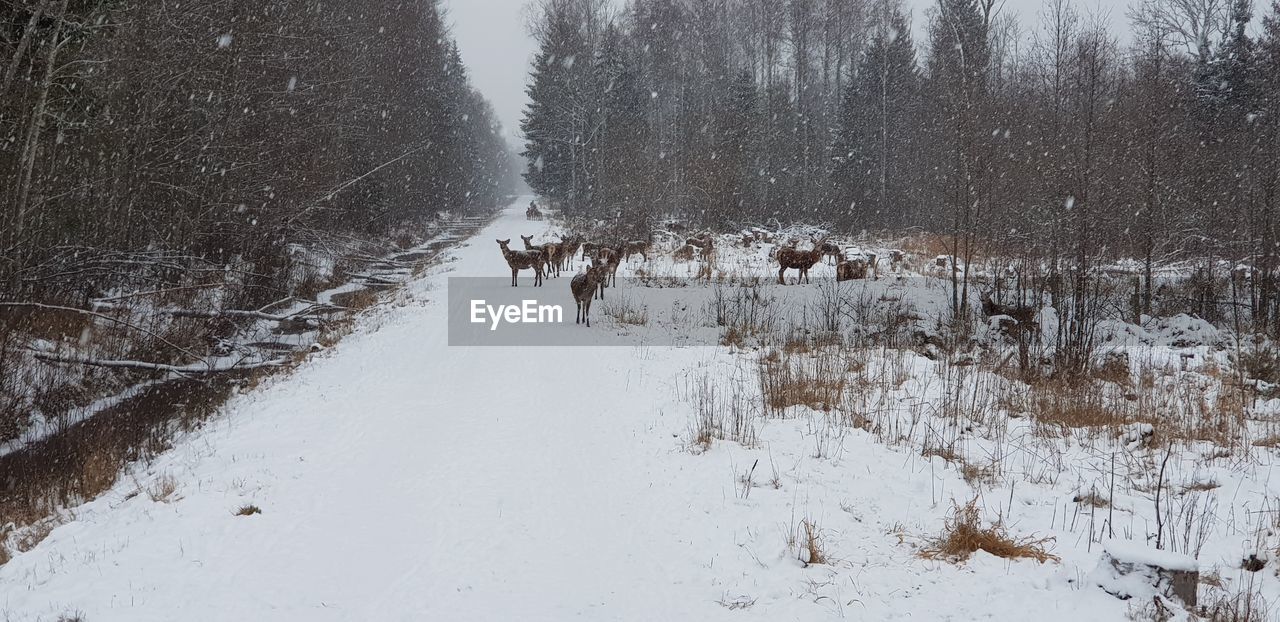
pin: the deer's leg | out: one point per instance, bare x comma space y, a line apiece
514, 272
587, 313
781, 280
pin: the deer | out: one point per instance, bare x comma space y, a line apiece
829, 249
584, 286
589, 248
609, 258
634, 247
850, 269
708, 255
897, 258
1024, 318
533, 213
793, 258
702, 240
568, 250
550, 253
522, 260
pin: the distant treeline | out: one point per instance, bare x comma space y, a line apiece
227, 131
1050, 138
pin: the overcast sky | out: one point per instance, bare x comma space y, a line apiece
497, 48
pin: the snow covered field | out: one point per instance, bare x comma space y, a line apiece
401, 479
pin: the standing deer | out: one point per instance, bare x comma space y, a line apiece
609, 258
550, 253
1024, 318
708, 255
584, 286
568, 250
829, 249
522, 260
897, 258
634, 247
850, 269
792, 258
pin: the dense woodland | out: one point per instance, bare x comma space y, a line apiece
1049, 140
171, 172
136, 133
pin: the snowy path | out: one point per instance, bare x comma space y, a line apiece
401, 479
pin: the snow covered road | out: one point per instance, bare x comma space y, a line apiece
401, 479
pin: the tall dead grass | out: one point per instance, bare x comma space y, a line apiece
816, 380
963, 534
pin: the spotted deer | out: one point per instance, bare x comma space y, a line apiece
522, 260
792, 258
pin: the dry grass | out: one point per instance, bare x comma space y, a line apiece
1204, 486
946, 453
723, 409
29, 537
963, 534
358, 299
1271, 440
733, 337
814, 381
163, 489
1245, 605
977, 475
624, 311
1066, 404
812, 548
248, 509
1092, 499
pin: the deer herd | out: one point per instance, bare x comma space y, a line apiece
548, 259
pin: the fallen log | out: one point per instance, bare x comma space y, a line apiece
192, 369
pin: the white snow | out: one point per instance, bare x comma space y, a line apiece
1133, 552
401, 479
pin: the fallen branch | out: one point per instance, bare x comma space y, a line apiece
247, 314
193, 369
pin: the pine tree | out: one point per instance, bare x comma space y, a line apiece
738, 147
621, 131
554, 122
958, 61
877, 116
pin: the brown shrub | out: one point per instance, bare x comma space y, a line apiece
1070, 404
248, 509
814, 381
812, 544
963, 534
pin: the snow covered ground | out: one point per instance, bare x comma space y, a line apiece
401, 479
